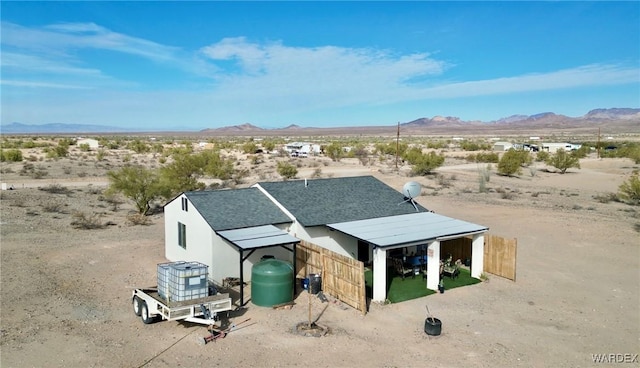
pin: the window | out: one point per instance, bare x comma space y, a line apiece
185, 204
182, 235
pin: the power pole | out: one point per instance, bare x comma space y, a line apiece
598, 148
397, 145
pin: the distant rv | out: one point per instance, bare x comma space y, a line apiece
554, 147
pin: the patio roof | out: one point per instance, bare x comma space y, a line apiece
405, 229
258, 237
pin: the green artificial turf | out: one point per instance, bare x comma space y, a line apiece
399, 290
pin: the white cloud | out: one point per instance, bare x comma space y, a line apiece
237, 81
581, 76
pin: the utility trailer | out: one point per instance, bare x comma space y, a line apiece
148, 305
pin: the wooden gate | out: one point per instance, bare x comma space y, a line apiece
500, 256
342, 277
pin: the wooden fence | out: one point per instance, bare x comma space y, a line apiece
342, 277
500, 256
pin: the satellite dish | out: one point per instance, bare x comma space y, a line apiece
411, 189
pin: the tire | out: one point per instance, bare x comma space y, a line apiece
144, 314
137, 303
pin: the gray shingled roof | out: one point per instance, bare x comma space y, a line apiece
334, 200
235, 209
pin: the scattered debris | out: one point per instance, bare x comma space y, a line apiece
287, 305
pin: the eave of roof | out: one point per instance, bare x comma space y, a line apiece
258, 237
410, 228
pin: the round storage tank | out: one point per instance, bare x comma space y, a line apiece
271, 282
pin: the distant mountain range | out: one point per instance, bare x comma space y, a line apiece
615, 120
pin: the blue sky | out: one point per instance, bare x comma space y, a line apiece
195, 65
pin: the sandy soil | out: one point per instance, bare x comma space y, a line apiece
66, 293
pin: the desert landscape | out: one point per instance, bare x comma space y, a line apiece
65, 291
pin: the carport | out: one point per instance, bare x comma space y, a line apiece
415, 229
248, 240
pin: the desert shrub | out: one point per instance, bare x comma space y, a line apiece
39, 173
249, 147
606, 198
424, 164
542, 156
334, 151
445, 182
287, 170
53, 207
66, 170
436, 144
137, 183
474, 146
581, 152
56, 189
61, 150
317, 173
138, 146
138, 219
84, 147
84, 221
629, 191
11, 155
394, 148
507, 195
563, 160
512, 161
101, 155
491, 157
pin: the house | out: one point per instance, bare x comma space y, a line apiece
357, 217
226, 230
92, 143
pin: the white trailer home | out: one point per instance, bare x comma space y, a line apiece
554, 147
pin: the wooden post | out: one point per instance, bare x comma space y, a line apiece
397, 145
598, 148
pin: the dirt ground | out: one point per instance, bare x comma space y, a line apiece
66, 293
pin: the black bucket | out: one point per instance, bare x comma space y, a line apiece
432, 326
315, 283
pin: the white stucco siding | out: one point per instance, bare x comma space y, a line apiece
198, 234
226, 259
333, 240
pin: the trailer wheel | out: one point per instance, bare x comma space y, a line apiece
136, 305
144, 314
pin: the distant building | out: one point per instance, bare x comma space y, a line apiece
302, 147
92, 143
554, 147
502, 146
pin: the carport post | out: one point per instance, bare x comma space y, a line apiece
433, 265
379, 274
477, 255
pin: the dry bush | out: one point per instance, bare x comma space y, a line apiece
56, 189
606, 198
53, 207
86, 221
138, 219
